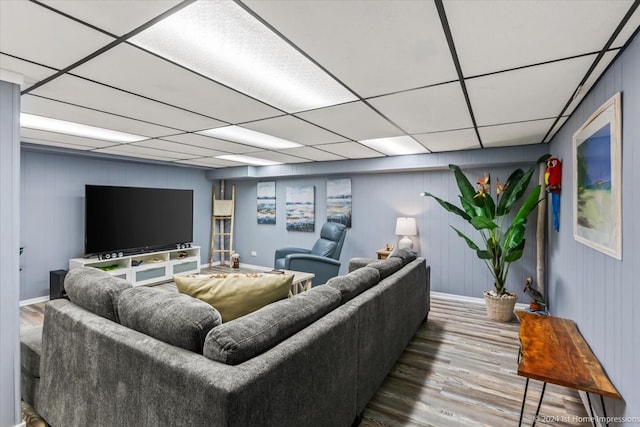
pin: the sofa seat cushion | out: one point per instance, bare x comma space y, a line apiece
95, 290
235, 295
30, 350
238, 341
387, 267
354, 283
174, 318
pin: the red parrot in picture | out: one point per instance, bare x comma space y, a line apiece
553, 180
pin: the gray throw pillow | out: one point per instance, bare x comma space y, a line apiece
174, 318
241, 339
95, 290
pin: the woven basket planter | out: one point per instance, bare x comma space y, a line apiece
500, 308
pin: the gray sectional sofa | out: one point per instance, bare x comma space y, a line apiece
120, 356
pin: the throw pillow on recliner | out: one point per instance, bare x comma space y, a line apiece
235, 295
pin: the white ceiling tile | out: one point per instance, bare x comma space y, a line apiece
462, 139
312, 153
177, 147
209, 162
374, 47
144, 152
431, 109
629, 29
151, 76
513, 134
278, 157
556, 128
79, 91
62, 111
32, 73
56, 144
115, 16
354, 120
526, 94
294, 129
498, 35
58, 138
595, 75
35, 33
350, 150
211, 143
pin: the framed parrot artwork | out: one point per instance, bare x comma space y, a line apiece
553, 181
597, 180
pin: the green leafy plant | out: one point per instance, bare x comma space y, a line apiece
503, 236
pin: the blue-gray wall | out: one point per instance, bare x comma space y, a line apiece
378, 199
598, 292
52, 207
9, 249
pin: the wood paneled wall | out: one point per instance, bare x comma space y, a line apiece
599, 292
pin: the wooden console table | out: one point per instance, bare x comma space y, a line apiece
552, 350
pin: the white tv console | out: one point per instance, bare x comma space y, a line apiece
146, 268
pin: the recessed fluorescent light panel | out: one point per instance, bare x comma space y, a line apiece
250, 137
248, 160
395, 146
70, 128
220, 40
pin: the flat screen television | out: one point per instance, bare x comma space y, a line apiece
130, 219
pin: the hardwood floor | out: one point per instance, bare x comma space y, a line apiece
458, 370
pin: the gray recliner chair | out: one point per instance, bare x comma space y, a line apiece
323, 259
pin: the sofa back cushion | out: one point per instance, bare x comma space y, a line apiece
95, 290
354, 283
174, 318
387, 267
235, 295
406, 255
240, 340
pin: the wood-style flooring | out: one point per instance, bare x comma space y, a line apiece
458, 370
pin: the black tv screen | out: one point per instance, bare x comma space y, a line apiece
133, 218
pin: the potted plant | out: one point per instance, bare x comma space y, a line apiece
502, 234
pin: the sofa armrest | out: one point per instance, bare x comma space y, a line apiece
324, 268
283, 252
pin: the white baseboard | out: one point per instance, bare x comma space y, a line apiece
473, 300
44, 298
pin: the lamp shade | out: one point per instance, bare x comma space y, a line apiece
406, 227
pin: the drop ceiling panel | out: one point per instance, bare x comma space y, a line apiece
354, 120
498, 35
593, 78
209, 162
79, 91
294, 129
278, 157
350, 150
431, 109
32, 32
526, 94
211, 143
62, 111
374, 47
193, 150
462, 139
629, 29
144, 152
32, 73
115, 16
312, 153
54, 139
151, 76
515, 133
